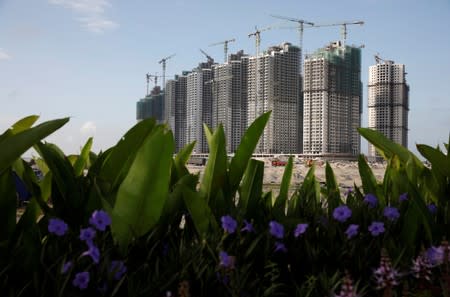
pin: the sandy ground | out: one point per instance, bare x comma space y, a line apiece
346, 172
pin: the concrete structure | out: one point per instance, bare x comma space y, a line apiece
388, 102
199, 106
274, 84
332, 96
152, 106
175, 108
229, 91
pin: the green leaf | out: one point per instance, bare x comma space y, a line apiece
119, 159
143, 192
244, 152
181, 159
215, 174
308, 195
387, 146
200, 212
83, 159
8, 203
438, 160
280, 203
68, 200
12, 147
369, 182
251, 189
333, 193
174, 202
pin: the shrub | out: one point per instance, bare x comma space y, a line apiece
133, 221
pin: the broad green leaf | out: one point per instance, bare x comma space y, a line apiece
115, 167
200, 212
24, 124
438, 160
14, 146
369, 182
68, 200
245, 150
174, 202
7, 205
19, 126
251, 189
83, 159
308, 194
181, 159
280, 202
387, 146
334, 196
143, 192
215, 174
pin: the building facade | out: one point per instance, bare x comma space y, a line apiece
175, 111
229, 99
152, 106
388, 102
273, 83
199, 105
332, 102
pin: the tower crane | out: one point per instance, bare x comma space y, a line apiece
210, 59
225, 47
343, 28
163, 62
149, 78
300, 26
257, 35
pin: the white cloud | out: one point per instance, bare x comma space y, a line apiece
98, 25
4, 55
91, 12
88, 129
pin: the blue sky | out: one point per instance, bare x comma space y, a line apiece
87, 59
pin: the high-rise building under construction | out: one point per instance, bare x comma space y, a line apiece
199, 106
229, 106
175, 108
274, 84
388, 102
152, 106
332, 102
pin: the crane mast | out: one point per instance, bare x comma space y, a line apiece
225, 47
163, 62
343, 28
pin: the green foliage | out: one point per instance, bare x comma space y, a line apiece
173, 228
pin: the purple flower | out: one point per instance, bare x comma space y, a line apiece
371, 200
228, 224
300, 229
421, 267
57, 226
226, 260
435, 255
432, 208
403, 197
280, 247
342, 213
100, 220
352, 231
118, 268
391, 213
92, 252
248, 227
276, 229
66, 267
81, 280
376, 228
87, 234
